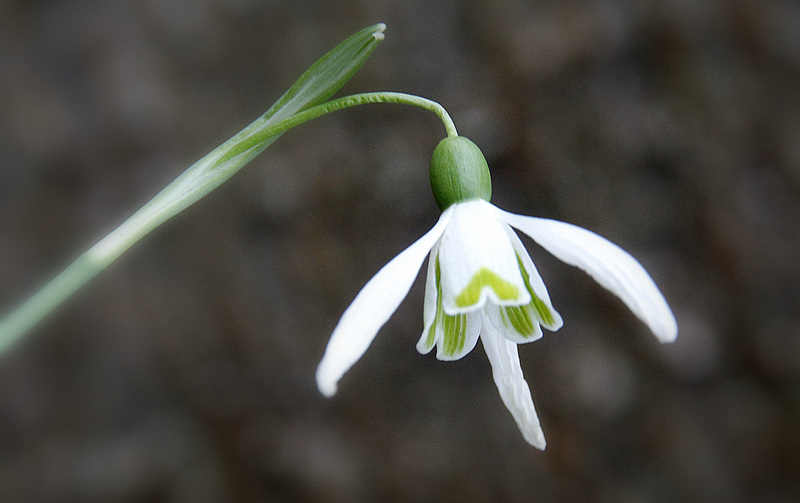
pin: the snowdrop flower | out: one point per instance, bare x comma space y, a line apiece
482, 284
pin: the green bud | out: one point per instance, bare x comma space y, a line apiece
459, 172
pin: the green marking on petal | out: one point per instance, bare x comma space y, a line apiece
542, 310
451, 334
463, 332
455, 334
448, 333
431, 340
454, 328
519, 317
471, 294
539, 307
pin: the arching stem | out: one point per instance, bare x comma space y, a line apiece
197, 181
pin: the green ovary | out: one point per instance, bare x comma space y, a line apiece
471, 294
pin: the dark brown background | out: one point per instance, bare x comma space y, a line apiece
185, 372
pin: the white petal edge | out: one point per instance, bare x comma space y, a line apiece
431, 299
372, 307
511, 384
610, 265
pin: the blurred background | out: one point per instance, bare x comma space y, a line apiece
185, 372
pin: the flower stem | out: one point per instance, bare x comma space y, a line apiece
340, 104
197, 181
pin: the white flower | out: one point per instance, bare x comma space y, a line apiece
482, 284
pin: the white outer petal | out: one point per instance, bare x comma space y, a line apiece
473, 240
511, 384
610, 265
372, 307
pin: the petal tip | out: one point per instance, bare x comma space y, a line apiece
558, 322
533, 433
327, 386
667, 333
327, 389
423, 348
539, 442
663, 324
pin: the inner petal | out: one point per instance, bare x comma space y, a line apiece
543, 313
454, 335
540, 307
478, 262
459, 334
515, 323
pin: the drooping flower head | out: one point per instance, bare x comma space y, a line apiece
482, 284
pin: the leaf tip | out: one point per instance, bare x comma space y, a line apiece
378, 33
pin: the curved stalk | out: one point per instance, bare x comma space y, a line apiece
197, 181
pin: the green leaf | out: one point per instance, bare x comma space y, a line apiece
328, 74
316, 85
